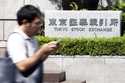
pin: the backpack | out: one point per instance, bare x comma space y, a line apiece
7, 70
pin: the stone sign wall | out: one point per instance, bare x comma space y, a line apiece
82, 23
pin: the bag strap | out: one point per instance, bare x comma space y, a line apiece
27, 51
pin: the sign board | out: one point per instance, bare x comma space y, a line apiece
76, 24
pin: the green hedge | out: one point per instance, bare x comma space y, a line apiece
93, 47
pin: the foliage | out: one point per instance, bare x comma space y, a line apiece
83, 46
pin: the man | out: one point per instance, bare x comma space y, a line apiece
23, 48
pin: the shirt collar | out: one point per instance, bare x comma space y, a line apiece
22, 33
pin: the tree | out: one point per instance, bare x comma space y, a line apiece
81, 4
109, 4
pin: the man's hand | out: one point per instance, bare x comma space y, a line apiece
49, 48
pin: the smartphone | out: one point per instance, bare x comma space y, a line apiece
58, 41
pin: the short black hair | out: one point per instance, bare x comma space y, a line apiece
28, 12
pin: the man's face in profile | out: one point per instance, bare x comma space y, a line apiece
34, 27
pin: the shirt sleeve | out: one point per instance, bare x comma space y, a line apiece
16, 48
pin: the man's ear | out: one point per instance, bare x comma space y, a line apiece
24, 21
